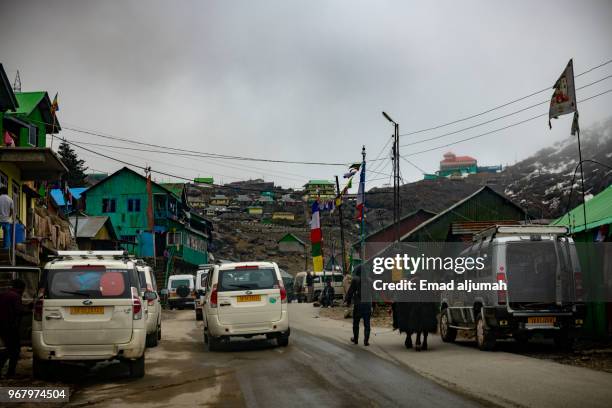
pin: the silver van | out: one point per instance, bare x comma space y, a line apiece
540, 267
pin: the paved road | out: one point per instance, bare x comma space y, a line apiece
312, 371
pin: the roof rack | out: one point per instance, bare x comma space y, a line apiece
91, 254
509, 230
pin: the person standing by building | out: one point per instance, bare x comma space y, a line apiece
7, 210
327, 297
10, 322
362, 308
309, 285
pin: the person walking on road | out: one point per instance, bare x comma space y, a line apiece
10, 322
309, 285
362, 308
327, 297
6, 216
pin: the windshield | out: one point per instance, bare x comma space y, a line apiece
245, 279
95, 284
143, 280
175, 283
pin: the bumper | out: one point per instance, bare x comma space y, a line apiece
217, 329
181, 302
505, 322
96, 352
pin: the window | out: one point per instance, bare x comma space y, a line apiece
109, 205
247, 279
3, 180
33, 136
173, 238
129, 238
133, 205
87, 283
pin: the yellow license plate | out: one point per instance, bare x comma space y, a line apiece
249, 298
80, 310
544, 320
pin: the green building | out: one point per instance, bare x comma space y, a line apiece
180, 234
32, 121
595, 260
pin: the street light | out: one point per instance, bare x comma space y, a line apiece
396, 183
389, 118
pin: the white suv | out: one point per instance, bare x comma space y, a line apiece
245, 299
148, 283
89, 309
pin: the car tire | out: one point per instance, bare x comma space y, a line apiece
447, 333
137, 367
485, 339
41, 369
153, 339
282, 341
563, 341
198, 313
212, 343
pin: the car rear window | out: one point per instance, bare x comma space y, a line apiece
94, 284
246, 279
176, 283
143, 280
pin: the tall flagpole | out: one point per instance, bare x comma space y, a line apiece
581, 178
344, 268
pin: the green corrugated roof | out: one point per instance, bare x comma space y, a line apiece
320, 182
28, 101
598, 212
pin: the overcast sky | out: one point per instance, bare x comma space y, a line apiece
304, 80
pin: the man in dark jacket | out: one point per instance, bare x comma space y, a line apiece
10, 319
309, 285
327, 297
362, 308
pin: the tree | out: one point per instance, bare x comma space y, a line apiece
76, 167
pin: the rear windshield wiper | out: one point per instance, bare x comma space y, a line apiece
241, 286
76, 293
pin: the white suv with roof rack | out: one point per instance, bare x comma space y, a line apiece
245, 299
89, 309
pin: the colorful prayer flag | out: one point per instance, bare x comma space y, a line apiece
361, 194
316, 237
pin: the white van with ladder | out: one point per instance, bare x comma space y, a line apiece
89, 308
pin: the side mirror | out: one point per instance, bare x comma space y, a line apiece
150, 295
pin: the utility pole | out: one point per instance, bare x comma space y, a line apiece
363, 163
344, 268
396, 177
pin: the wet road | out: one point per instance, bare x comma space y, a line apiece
312, 371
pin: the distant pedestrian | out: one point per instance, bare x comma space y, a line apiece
362, 308
309, 285
11, 310
327, 297
7, 210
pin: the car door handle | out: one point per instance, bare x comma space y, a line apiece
53, 317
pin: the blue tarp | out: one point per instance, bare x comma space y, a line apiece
58, 195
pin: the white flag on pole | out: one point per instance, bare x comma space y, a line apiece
563, 100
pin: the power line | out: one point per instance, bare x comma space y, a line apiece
498, 129
499, 106
497, 118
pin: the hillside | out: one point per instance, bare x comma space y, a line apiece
541, 183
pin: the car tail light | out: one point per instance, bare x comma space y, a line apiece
502, 295
38, 306
150, 289
578, 286
214, 296
136, 305
283, 291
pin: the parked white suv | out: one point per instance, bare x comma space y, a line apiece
148, 283
181, 291
200, 288
245, 299
89, 309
